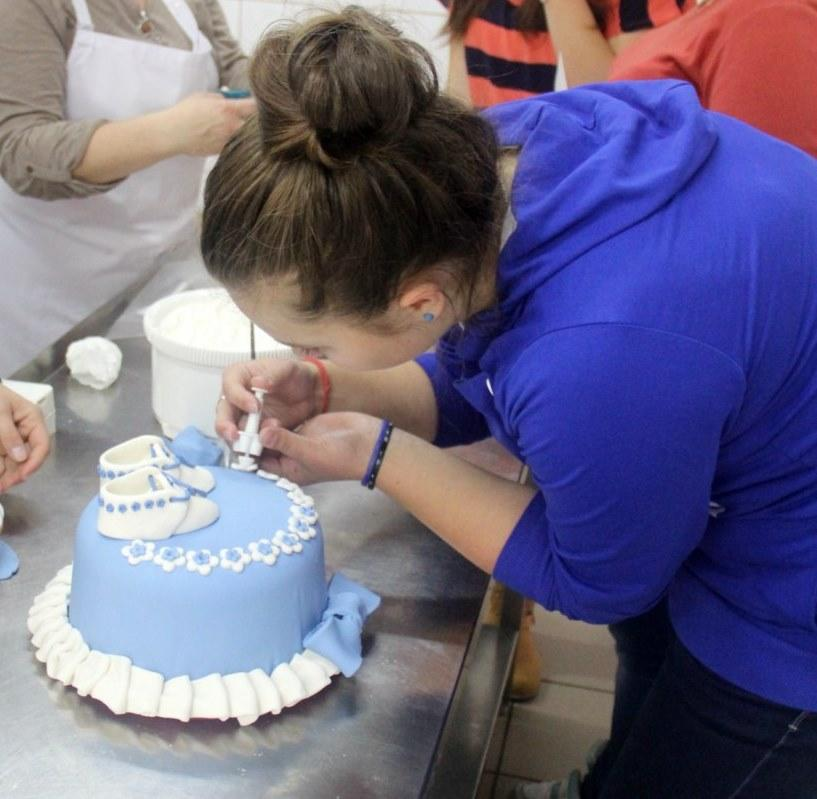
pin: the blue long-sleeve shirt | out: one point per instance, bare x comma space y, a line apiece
654, 349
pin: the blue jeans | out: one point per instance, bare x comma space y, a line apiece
680, 731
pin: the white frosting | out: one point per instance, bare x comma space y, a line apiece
94, 361
125, 688
213, 322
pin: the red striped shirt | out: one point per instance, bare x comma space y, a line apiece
505, 63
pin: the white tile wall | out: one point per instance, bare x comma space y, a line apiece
421, 20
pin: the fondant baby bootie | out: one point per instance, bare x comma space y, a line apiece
149, 504
142, 451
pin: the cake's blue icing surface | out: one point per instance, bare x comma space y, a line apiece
181, 622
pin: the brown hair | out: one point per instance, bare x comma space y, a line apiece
356, 173
530, 15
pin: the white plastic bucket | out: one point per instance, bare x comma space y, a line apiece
193, 336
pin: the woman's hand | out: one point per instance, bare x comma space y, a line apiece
24, 440
333, 446
293, 389
201, 124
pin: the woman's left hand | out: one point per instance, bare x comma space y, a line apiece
332, 446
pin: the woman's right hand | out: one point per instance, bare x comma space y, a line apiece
202, 123
294, 394
24, 441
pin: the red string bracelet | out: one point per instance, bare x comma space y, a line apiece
326, 382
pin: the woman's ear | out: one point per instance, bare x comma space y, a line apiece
427, 300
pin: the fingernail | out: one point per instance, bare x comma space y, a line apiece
19, 453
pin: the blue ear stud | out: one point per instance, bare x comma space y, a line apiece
428, 317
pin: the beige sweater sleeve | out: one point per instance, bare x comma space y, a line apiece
229, 57
39, 148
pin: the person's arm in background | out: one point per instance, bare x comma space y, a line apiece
46, 156
38, 147
586, 53
457, 85
765, 72
199, 125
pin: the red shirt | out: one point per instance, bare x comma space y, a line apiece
755, 60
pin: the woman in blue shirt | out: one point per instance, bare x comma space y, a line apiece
620, 286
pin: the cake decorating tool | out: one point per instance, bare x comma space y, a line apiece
248, 445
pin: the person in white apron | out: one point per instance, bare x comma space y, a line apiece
62, 259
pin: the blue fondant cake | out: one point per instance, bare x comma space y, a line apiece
198, 602
183, 622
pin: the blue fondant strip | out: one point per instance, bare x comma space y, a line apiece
337, 636
9, 562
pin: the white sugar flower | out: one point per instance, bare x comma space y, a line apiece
138, 551
263, 551
234, 558
287, 542
202, 561
299, 498
305, 512
169, 558
301, 527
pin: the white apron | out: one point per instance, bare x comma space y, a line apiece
62, 259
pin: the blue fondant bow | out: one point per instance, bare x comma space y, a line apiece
337, 637
9, 562
193, 448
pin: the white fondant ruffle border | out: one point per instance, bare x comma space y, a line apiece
125, 688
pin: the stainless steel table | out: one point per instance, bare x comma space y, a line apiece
414, 721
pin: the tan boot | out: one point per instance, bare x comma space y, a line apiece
496, 596
527, 664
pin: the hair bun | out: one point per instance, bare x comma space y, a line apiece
337, 84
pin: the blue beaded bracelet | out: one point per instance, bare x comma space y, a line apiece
378, 453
